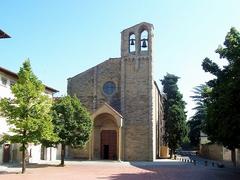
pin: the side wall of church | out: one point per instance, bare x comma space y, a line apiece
158, 122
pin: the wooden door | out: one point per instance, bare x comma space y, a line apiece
6, 153
109, 144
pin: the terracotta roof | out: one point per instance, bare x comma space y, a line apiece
14, 75
3, 35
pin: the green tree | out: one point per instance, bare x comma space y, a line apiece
72, 123
197, 120
223, 110
28, 113
176, 129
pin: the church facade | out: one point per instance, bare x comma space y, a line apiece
124, 101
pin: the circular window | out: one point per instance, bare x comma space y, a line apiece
109, 88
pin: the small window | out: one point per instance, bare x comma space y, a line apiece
109, 88
4, 81
12, 83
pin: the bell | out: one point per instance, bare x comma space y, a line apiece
144, 44
132, 42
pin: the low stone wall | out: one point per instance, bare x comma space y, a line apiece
211, 151
218, 152
164, 152
78, 153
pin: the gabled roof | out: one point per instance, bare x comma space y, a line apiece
91, 69
15, 76
3, 35
106, 108
139, 25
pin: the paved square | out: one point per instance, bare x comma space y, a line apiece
88, 170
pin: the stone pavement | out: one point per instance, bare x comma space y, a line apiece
113, 170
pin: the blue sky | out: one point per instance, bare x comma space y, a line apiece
65, 37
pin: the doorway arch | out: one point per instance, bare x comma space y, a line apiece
106, 135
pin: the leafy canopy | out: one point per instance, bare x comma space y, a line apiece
72, 121
174, 113
29, 113
223, 110
196, 122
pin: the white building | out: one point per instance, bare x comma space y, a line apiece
10, 152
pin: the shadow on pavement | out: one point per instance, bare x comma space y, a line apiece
35, 165
6, 172
163, 175
176, 173
174, 170
16, 168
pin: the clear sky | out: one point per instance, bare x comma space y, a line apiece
65, 37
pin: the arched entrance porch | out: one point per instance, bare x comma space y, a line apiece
106, 135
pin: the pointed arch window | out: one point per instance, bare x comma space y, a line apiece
144, 40
132, 46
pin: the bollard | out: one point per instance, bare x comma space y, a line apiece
194, 162
212, 164
206, 163
220, 165
175, 157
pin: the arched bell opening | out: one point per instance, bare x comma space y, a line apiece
132, 43
144, 40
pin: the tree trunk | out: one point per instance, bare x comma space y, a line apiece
233, 157
171, 153
62, 155
23, 159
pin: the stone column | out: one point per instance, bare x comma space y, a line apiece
90, 149
119, 143
92, 145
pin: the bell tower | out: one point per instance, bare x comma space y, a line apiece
137, 40
137, 92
